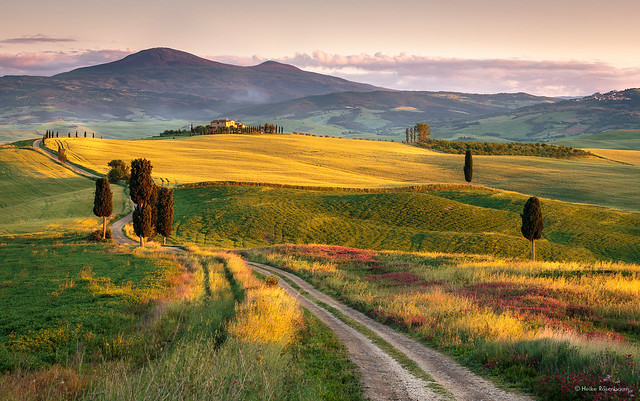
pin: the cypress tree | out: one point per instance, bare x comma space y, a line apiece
164, 222
406, 132
62, 154
468, 166
532, 224
142, 222
103, 202
141, 189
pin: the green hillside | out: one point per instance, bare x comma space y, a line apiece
450, 221
38, 195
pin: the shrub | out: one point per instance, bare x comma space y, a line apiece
96, 236
272, 280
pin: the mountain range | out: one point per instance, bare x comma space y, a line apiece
163, 84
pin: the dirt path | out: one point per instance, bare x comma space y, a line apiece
36, 145
383, 377
461, 382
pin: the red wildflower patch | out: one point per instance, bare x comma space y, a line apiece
538, 305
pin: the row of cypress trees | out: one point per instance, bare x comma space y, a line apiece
153, 213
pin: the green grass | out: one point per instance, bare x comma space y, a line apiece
62, 299
618, 139
38, 195
462, 220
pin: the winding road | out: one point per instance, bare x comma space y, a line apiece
382, 376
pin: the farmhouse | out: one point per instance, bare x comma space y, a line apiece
226, 123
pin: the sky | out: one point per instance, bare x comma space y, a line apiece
543, 47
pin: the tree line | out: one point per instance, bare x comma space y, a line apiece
504, 149
208, 130
153, 212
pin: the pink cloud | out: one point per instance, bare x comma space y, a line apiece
411, 72
51, 63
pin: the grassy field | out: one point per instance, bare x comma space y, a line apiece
63, 299
455, 220
314, 161
544, 327
38, 195
618, 139
97, 321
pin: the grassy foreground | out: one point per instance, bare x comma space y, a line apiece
328, 162
94, 321
455, 220
545, 327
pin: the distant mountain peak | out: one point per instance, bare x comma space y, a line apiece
274, 66
162, 56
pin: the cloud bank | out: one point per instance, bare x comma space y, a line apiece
411, 72
36, 39
51, 63
403, 71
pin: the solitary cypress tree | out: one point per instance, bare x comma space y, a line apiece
62, 154
164, 222
141, 190
103, 202
468, 166
532, 224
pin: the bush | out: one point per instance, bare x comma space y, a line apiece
96, 236
272, 280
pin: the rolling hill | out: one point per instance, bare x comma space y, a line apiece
559, 121
156, 84
387, 112
346, 163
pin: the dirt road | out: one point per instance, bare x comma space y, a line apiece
461, 382
36, 145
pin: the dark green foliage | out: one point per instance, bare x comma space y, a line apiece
140, 182
119, 171
164, 207
97, 235
143, 221
508, 149
103, 202
468, 166
532, 223
62, 154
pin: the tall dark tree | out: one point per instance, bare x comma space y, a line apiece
532, 224
407, 134
468, 166
141, 189
164, 206
143, 222
103, 202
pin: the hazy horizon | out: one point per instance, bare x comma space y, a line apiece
569, 49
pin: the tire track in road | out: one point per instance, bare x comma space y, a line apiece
382, 377
458, 380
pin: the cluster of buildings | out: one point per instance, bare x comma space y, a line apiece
226, 123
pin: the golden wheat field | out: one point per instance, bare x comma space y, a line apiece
316, 161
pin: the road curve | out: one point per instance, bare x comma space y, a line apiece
382, 377
461, 382
46, 152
